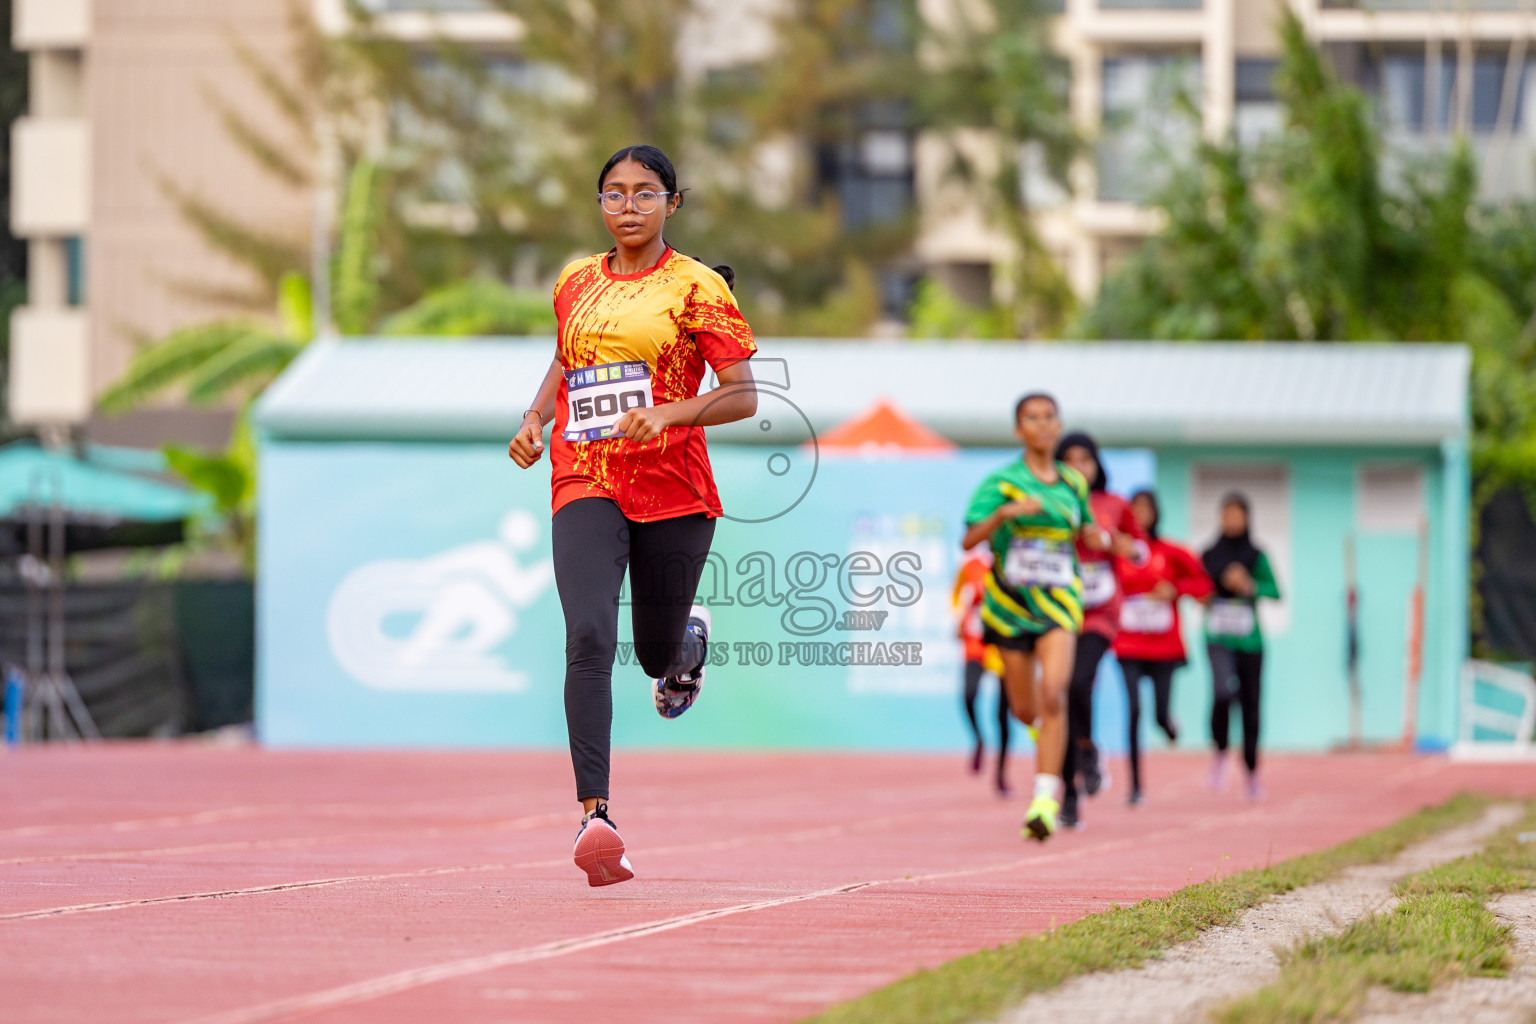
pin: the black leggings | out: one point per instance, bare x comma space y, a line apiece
1161, 674
1235, 677
1091, 648
593, 543
973, 674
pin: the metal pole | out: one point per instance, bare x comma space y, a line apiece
1352, 641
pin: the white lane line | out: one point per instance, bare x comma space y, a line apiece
219, 814
401, 981
316, 883
825, 831
801, 835
299, 842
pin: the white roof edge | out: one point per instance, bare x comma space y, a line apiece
1210, 393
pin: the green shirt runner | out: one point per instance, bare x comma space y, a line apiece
1035, 584
1233, 622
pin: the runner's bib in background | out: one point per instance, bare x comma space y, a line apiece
1032, 562
1229, 618
1098, 584
599, 395
1142, 613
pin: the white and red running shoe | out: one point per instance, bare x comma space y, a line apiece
675, 694
600, 851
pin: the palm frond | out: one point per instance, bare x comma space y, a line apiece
478, 306
357, 285
260, 355
170, 360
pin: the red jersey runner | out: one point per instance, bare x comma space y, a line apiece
1101, 570
1150, 626
653, 332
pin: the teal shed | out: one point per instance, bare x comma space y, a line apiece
1348, 452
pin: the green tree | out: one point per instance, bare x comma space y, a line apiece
1306, 237
515, 147
995, 98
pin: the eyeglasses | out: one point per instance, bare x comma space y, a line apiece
643, 202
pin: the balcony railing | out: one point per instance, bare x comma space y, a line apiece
50, 187
1438, 6
428, 6
50, 365
1150, 5
50, 24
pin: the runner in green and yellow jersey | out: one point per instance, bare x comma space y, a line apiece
1031, 512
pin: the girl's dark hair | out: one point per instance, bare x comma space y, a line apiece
1018, 408
1239, 499
1150, 496
653, 159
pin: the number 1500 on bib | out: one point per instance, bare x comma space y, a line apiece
599, 395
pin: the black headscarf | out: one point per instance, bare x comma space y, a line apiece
1227, 550
1157, 510
1078, 439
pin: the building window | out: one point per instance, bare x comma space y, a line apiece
1406, 106
1389, 498
1257, 111
74, 270
1268, 489
871, 173
1150, 122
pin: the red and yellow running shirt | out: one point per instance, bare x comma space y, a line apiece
627, 340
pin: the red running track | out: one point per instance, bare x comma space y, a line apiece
189, 883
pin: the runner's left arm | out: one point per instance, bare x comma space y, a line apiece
735, 399
713, 322
1264, 582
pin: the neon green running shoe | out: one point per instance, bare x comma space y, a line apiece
1040, 822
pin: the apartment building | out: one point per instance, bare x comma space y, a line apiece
119, 104
1434, 69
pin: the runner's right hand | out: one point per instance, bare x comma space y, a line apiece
528, 443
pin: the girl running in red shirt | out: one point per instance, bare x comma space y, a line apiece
631, 480
1150, 644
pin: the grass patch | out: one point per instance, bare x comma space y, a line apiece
982, 984
1440, 931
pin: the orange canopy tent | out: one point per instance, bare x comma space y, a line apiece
884, 426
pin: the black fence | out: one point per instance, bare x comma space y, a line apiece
1506, 557
151, 658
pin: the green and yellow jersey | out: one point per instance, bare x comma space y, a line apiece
1035, 583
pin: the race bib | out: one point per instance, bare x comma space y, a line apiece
1144, 614
599, 395
1229, 618
1099, 584
1032, 562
